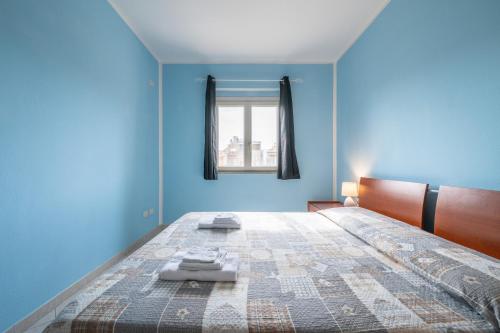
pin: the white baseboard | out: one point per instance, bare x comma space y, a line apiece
51, 305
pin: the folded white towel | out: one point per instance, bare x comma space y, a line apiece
201, 267
226, 222
226, 215
198, 266
208, 223
223, 218
228, 273
201, 254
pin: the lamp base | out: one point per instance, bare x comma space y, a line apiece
350, 202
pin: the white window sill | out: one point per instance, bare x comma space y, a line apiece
247, 170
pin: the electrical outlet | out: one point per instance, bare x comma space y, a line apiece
145, 214
151, 211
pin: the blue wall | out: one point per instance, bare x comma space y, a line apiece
78, 145
185, 188
419, 95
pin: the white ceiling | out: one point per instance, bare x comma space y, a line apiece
248, 31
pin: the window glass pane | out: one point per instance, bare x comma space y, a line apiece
264, 136
231, 131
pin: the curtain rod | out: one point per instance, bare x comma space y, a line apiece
248, 89
200, 79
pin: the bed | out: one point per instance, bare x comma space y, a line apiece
339, 270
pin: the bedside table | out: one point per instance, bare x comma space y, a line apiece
313, 206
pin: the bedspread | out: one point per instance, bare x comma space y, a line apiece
299, 272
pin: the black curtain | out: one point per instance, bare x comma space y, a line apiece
210, 162
288, 167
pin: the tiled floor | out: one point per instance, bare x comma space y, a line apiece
42, 323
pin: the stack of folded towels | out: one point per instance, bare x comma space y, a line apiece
221, 221
201, 264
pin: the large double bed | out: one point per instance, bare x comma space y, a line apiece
339, 270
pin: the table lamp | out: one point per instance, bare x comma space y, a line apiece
350, 190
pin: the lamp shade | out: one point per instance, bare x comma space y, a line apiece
349, 189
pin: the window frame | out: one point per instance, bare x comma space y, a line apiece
247, 103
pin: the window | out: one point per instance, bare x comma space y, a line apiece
248, 134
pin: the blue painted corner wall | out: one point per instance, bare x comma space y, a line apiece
78, 145
419, 95
185, 188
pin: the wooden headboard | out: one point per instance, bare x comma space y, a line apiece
403, 201
470, 217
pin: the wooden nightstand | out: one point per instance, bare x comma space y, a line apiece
313, 206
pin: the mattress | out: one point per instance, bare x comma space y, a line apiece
299, 272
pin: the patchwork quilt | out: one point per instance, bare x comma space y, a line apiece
299, 272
